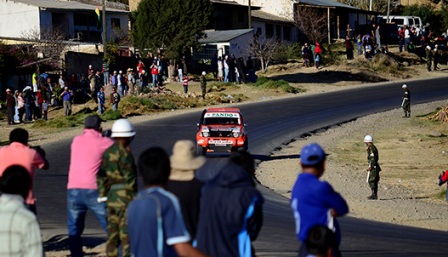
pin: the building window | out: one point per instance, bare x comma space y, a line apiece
258, 33
269, 28
287, 33
278, 31
115, 23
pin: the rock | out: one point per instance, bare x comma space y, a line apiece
434, 133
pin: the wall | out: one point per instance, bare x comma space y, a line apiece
16, 18
282, 8
239, 46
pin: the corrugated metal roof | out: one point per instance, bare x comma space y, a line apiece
62, 5
326, 3
221, 36
269, 17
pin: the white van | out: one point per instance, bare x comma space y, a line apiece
410, 21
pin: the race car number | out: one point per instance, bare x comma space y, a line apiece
220, 142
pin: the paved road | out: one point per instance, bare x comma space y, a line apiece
270, 124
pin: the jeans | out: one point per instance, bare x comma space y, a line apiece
120, 90
100, 108
28, 112
226, 75
78, 202
115, 106
180, 76
154, 79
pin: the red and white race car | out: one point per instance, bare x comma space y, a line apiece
221, 130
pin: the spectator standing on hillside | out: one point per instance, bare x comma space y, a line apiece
374, 168
115, 99
317, 53
349, 48
314, 202
131, 82
67, 101
400, 39
226, 68
19, 229
20, 106
117, 185
407, 37
220, 69
120, 83
18, 152
185, 84
436, 56
406, 103
251, 70
305, 55
154, 74
101, 99
86, 155
359, 44
183, 184
231, 212
10, 106
378, 37
156, 227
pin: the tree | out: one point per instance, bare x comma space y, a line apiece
264, 50
171, 25
48, 41
312, 22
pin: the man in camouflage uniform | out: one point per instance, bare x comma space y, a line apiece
117, 185
203, 84
406, 104
374, 168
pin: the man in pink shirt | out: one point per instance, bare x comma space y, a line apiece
18, 152
82, 191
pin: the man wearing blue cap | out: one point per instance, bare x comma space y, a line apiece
314, 202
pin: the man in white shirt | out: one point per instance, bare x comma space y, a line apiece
19, 229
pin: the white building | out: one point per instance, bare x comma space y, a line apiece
77, 20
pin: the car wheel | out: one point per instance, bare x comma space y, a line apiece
246, 145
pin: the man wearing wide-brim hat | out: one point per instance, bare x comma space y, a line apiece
183, 184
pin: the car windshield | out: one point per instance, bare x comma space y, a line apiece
221, 121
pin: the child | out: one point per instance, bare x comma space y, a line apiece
185, 83
45, 109
115, 99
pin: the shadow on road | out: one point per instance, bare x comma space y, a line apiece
60, 243
329, 77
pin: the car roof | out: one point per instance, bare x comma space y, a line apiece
224, 110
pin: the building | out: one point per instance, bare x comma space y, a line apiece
78, 21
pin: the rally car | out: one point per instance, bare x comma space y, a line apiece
221, 130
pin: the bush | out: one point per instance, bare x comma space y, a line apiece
381, 63
110, 114
287, 51
265, 83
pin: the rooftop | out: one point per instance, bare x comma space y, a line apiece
62, 5
220, 36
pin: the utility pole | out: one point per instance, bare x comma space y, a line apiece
249, 14
104, 28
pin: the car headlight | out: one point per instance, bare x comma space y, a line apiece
236, 132
205, 132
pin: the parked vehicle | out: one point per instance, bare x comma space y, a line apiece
410, 21
221, 130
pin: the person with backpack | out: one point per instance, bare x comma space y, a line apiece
114, 99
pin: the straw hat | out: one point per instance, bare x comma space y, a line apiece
184, 157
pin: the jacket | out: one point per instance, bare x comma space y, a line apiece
230, 215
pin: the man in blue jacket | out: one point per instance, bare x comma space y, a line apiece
314, 202
231, 216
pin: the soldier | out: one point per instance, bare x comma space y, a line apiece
428, 57
117, 185
203, 84
374, 168
406, 104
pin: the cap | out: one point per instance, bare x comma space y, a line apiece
8, 90
93, 122
204, 73
312, 154
404, 86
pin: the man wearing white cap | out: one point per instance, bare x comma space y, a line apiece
406, 103
374, 168
203, 84
183, 184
